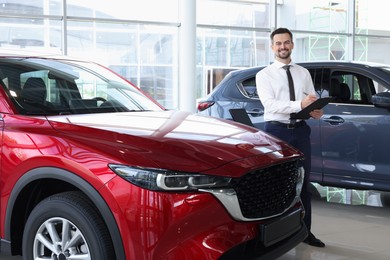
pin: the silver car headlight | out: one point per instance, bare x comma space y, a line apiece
165, 180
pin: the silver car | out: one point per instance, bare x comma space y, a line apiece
350, 142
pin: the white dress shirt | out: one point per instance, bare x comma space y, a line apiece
272, 88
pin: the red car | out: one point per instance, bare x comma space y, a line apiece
92, 168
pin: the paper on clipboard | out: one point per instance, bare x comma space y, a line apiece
318, 104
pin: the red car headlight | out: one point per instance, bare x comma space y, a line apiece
159, 179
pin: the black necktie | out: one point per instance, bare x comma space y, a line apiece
290, 82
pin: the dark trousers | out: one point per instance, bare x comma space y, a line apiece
300, 139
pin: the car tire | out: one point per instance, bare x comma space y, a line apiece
314, 192
385, 199
86, 235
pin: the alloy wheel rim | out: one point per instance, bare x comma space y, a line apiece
59, 239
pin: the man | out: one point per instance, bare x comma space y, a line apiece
274, 92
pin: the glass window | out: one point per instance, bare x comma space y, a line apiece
227, 50
35, 34
157, 82
145, 10
366, 49
44, 86
315, 15
144, 54
231, 48
350, 87
312, 47
37, 7
371, 17
80, 36
231, 13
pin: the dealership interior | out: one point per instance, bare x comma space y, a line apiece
177, 51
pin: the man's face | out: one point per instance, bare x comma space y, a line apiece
282, 46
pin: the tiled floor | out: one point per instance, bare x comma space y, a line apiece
350, 231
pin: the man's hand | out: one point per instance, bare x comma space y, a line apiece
317, 113
308, 100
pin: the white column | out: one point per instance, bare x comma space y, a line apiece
187, 55
350, 47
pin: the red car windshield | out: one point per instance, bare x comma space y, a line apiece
50, 86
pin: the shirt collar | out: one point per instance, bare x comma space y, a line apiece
280, 65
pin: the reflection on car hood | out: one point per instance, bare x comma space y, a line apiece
171, 139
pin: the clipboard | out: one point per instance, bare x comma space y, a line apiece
240, 115
318, 104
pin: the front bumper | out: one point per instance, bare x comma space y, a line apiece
256, 250
197, 226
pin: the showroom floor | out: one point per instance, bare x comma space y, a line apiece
353, 225
353, 231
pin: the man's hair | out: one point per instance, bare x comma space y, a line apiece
280, 31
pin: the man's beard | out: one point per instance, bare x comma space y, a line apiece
284, 56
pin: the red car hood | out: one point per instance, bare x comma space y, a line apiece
171, 140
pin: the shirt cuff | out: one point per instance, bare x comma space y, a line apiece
296, 106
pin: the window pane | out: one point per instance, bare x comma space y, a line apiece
80, 38
157, 82
373, 49
315, 15
145, 55
372, 18
231, 48
34, 34
311, 47
233, 14
145, 10
220, 51
39, 7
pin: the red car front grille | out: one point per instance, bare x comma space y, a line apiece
269, 191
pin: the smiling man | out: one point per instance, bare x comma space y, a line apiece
285, 88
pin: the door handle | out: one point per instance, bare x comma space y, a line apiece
255, 112
334, 120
